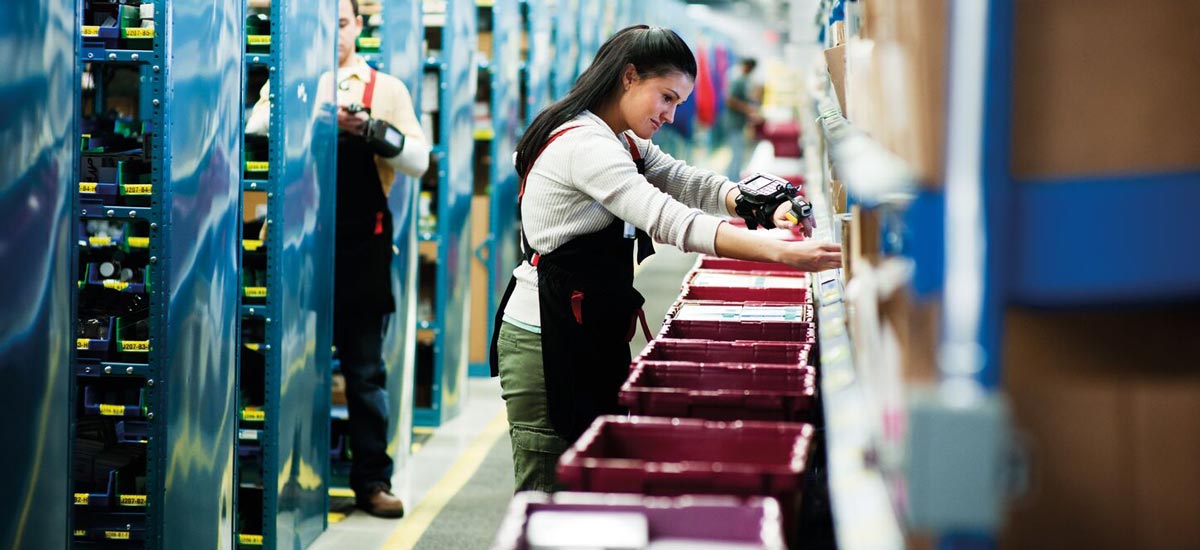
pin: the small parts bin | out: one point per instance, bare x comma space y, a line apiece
714, 262
740, 352
727, 331
677, 456
683, 522
746, 286
721, 392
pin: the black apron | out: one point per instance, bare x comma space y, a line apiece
589, 310
363, 253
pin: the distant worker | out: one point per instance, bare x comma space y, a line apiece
742, 114
593, 185
378, 134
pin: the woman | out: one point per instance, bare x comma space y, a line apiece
591, 183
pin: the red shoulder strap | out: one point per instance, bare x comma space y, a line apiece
636, 154
369, 91
529, 167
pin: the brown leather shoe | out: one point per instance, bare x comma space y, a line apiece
382, 503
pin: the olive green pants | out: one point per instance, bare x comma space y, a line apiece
535, 446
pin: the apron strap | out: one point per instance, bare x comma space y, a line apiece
369, 91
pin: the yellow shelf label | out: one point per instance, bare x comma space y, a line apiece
138, 242
251, 244
256, 292
484, 133
88, 186
369, 42
112, 410
81, 499
257, 166
116, 535
137, 189
138, 32
137, 345
258, 39
253, 346
250, 539
90, 30
80, 533
133, 500
253, 415
82, 343
115, 284
101, 240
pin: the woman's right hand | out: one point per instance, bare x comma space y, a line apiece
811, 255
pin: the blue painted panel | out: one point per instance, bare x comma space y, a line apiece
203, 134
590, 23
923, 240
566, 47
304, 271
40, 170
1107, 240
402, 25
541, 54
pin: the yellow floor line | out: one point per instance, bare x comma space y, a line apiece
417, 520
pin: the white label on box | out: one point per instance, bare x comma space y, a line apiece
747, 280
737, 312
548, 530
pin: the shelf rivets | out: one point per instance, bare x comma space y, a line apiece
153, 226
110, 213
150, 416
150, 382
107, 370
153, 259
155, 102
134, 57
128, 370
112, 57
156, 68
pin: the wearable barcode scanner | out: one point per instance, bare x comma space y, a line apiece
759, 196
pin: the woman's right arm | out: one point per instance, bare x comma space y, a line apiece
743, 244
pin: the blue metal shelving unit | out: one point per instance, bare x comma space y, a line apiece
283, 436
539, 29
441, 397
37, 209
172, 226
499, 251
566, 48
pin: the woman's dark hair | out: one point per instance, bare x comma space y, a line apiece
653, 51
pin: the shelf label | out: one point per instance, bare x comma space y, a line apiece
251, 245
133, 500
256, 292
88, 186
258, 39
138, 242
115, 284
81, 499
100, 240
254, 415
80, 533
250, 539
116, 535
252, 346
82, 343
137, 189
247, 435
138, 32
257, 166
369, 42
112, 410
90, 30
136, 345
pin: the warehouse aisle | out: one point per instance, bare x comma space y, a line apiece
457, 486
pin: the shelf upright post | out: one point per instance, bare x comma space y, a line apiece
37, 212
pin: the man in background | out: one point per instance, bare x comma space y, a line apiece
742, 113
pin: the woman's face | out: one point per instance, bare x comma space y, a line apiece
649, 103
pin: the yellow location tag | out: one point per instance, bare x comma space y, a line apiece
90, 30
101, 240
256, 292
251, 245
257, 166
138, 32
138, 242
254, 415
116, 535
258, 40
250, 539
369, 42
115, 284
82, 343
112, 410
252, 346
133, 500
137, 345
137, 189
81, 499
88, 186
80, 533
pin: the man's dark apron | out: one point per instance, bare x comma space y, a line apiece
363, 257
589, 310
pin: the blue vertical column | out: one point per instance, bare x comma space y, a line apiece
303, 229
566, 47
403, 33
540, 28
40, 134
202, 133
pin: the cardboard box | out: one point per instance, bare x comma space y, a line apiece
480, 312
835, 61
1105, 87
1109, 403
485, 44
